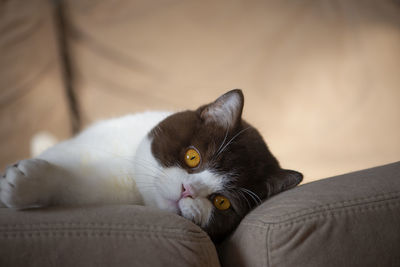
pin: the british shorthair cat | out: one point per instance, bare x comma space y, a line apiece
207, 165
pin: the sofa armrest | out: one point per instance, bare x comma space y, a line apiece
347, 220
102, 236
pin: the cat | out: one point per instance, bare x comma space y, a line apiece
208, 165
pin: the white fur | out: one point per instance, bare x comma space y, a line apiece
110, 162
94, 167
42, 141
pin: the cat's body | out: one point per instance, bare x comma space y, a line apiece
100, 161
192, 163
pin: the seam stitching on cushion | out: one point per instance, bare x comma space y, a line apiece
64, 232
263, 226
86, 234
268, 242
325, 207
328, 213
98, 225
63, 226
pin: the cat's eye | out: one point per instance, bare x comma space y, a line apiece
192, 158
221, 202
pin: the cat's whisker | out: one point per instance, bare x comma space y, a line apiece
146, 185
211, 220
151, 165
142, 184
255, 197
223, 141
148, 165
251, 196
259, 199
147, 189
234, 192
148, 175
131, 175
178, 164
244, 196
155, 177
231, 140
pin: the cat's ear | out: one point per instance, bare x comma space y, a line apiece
226, 111
283, 180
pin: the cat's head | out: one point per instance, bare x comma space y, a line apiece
210, 166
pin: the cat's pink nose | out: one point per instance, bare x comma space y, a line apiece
187, 191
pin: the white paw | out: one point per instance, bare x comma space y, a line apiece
198, 210
25, 185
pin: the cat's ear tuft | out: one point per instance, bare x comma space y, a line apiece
283, 180
226, 110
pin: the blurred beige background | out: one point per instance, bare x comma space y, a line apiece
321, 78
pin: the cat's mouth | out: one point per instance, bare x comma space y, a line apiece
187, 193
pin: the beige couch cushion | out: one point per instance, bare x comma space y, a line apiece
32, 98
102, 236
348, 220
321, 79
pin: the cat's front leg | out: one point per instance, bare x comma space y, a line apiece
30, 183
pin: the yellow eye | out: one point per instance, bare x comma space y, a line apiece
221, 202
192, 158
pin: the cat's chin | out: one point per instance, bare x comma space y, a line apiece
167, 204
173, 206
197, 210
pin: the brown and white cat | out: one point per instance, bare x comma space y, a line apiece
207, 165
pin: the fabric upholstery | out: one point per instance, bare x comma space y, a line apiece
348, 220
321, 78
102, 236
32, 96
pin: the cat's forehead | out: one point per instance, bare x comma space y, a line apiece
223, 149
182, 130
189, 124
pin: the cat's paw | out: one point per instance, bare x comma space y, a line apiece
24, 184
197, 210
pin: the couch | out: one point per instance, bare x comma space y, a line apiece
347, 220
315, 86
